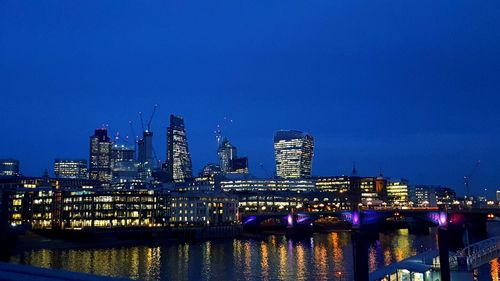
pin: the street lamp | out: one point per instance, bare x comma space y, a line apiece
339, 275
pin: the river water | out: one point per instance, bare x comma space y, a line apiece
322, 257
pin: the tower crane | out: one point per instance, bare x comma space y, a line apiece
151, 118
467, 178
142, 121
134, 136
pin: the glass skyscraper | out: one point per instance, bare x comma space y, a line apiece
226, 152
179, 164
145, 155
293, 151
100, 156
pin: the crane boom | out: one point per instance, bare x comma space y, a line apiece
467, 178
151, 117
142, 121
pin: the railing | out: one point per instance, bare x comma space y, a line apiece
479, 253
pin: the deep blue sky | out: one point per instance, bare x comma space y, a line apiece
408, 87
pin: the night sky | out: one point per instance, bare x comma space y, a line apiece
411, 88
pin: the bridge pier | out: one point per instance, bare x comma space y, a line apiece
444, 256
360, 255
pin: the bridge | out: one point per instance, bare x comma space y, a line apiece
417, 220
480, 253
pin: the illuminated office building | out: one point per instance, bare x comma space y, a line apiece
179, 164
293, 151
432, 195
246, 185
9, 167
70, 169
339, 184
368, 189
100, 156
202, 208
398, 192
46, 208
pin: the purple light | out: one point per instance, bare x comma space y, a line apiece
443, 219
249, 219
302, 218
289, 219
355, 218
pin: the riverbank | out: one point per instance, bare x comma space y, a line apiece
96, 238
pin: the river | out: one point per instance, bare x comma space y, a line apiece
325, 256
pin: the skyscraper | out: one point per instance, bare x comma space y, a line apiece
178, 158
226, 152
293, 151
70, 169
123, 165
145, 156
100, 153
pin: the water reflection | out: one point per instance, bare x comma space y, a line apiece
322, 257
494, 269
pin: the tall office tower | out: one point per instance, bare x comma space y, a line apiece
9, 167
70, 169
293, 151
178, 158
226, 152
100, 152
123, 165
145, 156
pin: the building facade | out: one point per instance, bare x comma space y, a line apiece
100, 156
202, 208
48, 208
70, 169
245, 185
178, 163
293, 151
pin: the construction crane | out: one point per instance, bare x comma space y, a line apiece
467, 178
134, 136
142, 121
151, 118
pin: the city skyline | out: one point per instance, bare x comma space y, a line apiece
123, 142
419, 101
